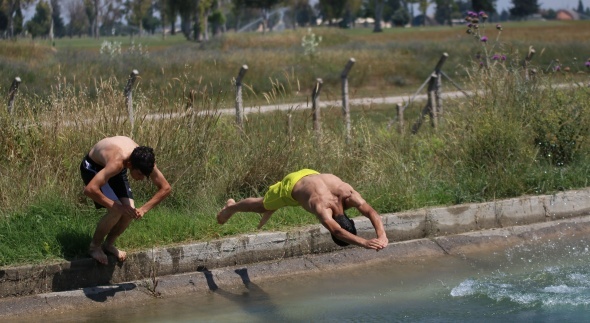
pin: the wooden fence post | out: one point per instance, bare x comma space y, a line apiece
129, 95
434, 102
12, 93
438, 85
345, 105
400, 118
239, 103
315, 96
432, 99
290, 126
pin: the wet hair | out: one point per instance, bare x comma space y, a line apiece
346, 224
143, 158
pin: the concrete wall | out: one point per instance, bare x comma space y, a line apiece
267, 246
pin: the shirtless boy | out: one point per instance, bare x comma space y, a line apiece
104, 171
324, 195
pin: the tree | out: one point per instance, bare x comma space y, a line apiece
40, 24
137, 10
401, 17
59, 28
487, 6
389, 8
580, 7
187, 10
549, 14
79, 23
303, 13
379, 4
264, 6
443, 13
112, 14
524, 8
423, 6
204, 8
217, 20
332, 9
3, 18
13, 11
150, 22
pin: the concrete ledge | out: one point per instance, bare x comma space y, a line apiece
272, 246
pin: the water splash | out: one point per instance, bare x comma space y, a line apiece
552, 274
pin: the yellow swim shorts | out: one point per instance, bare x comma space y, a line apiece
279, 194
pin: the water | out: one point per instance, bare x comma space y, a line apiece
540, 281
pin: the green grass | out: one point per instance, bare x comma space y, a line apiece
514, 138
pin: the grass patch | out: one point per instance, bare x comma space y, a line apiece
512, 137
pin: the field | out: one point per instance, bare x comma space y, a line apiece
518, 135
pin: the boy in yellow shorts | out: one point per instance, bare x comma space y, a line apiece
324, 195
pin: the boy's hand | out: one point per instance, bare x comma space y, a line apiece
139, 214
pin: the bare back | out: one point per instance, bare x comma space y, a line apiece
325, 195
112, 150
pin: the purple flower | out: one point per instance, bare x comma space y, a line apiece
557, 68
481, 14
471, 14
587, 64
469, 25
503, 57
499, 27
496, 57
484, 39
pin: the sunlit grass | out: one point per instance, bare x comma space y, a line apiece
514, 137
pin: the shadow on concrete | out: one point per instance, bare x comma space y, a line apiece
84, 273
101, 294
254, 301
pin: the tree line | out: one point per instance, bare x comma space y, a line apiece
201, 19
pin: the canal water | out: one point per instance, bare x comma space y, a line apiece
538, 281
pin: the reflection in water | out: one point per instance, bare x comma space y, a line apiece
253, 301
540, 281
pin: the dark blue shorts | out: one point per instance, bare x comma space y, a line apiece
116, 188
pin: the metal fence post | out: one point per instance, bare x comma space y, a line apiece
345, 105
129, 95
239, 107
315, 95
12, 93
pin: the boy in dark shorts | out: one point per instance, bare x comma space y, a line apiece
104, 172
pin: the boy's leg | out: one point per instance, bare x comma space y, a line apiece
116, 231
251, 204
104, 226
265, 216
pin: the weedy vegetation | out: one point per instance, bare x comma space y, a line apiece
520, 132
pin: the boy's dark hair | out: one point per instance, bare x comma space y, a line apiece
346, 224
143, 158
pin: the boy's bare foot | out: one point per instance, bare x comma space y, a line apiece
224, 215
120, 254
98, 255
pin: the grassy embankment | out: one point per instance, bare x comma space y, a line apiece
518, 138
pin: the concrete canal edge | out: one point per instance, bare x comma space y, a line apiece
193, 267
